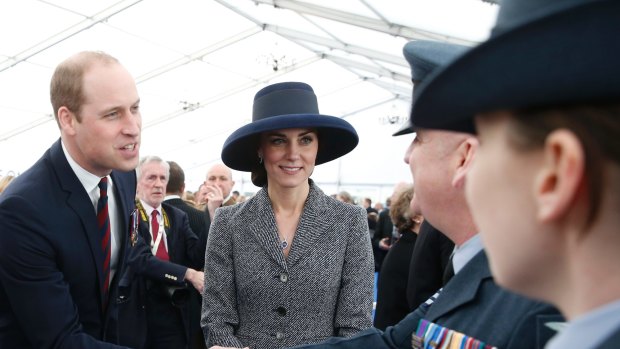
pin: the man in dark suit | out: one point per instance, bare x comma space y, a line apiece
428, 264
218, 186
199, 224
383, 229
58, 266
470, 303
166, 229
174, 192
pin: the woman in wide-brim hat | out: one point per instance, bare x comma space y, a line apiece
291, 265
543, 94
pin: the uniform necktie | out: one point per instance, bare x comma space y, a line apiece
161, 252
448, 273
103, 223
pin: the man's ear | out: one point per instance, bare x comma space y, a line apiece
558, 182
466, 152
66, 120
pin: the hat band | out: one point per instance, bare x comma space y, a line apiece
285, 102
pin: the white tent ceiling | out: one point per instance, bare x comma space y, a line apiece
198, 64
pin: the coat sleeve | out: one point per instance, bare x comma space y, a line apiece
33, 285
219, 305
354, 306
194, 247
142, 262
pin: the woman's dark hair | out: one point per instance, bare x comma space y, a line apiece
598, 130
259, 175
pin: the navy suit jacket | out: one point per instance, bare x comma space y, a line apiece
51, 282
429, 259
471, 303
185, 250
197, 219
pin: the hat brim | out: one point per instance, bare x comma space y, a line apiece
406, 129
570, 57
336, 138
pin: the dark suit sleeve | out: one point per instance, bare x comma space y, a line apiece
35, 288
195, 248
142, 262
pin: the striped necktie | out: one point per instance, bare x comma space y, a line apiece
103, 223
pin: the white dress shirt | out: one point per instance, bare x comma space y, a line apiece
90, 182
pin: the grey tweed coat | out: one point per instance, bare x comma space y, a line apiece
256, 297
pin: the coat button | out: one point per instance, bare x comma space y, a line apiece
280, 335
283, 277
281, 311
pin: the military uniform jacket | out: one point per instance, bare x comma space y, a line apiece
256, 297
471, 303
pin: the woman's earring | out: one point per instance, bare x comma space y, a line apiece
260, 160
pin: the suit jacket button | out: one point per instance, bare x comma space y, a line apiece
281, 311
283, 277
280, 335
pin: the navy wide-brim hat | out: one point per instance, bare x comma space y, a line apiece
283, 106
541, 54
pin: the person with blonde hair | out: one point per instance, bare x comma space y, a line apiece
5, 181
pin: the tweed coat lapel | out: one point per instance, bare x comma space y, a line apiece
264, 229
312, 225
462, 288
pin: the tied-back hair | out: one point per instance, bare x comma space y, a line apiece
259, 175
596, 126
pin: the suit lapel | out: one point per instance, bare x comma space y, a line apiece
79, 201
124, 197
462, 288
264, 227
311, 225
171, 238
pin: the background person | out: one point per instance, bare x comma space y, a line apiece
165, 308
392, 303
291, 265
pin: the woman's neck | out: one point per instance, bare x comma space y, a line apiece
288, 200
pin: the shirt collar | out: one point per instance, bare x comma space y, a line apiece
172, 196
464, 253
89, 181
149, 209
589, 330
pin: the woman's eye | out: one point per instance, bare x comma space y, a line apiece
277, 141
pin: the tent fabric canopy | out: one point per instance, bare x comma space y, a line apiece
199, 63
